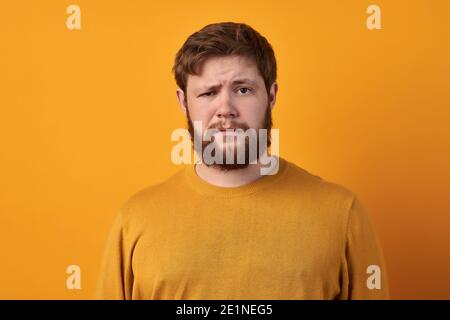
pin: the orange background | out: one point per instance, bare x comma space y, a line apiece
86, 117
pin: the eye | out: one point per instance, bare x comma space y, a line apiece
244, 90
207, 94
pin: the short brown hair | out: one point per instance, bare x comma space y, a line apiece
223, 39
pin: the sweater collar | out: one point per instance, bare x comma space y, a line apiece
205, 188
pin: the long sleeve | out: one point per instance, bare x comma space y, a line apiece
116, 278
365, 275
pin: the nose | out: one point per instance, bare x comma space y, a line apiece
226, 108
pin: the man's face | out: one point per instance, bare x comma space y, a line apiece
228, 93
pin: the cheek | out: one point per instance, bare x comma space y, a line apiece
253, 113
198, 112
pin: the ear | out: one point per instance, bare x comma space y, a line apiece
181, 100
273, 94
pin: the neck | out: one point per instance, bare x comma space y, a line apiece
232, 178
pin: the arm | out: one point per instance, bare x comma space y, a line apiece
116, 277
365, 275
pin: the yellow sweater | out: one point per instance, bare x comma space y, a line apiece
292, 235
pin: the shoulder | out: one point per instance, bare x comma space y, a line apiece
314, 185
138, 206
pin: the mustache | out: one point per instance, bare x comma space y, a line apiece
231, 125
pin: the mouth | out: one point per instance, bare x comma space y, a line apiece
227, 129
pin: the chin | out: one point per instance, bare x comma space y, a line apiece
228, 167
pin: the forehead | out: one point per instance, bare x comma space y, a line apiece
220, 70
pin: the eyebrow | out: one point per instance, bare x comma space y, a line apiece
235, 82
244, 80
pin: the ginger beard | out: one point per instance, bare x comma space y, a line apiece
224, 144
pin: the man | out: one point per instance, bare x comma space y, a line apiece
224, 230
